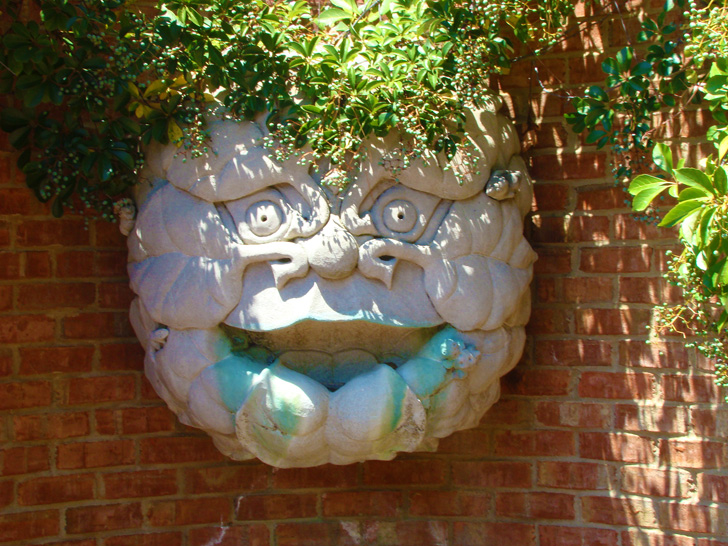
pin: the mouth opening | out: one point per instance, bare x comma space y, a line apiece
331, 353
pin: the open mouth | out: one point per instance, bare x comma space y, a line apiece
331, 353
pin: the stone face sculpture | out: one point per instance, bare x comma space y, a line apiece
302, 326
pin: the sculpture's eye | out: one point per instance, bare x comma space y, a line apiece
400, 216
406, 214
264, 218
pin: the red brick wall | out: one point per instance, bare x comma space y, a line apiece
599, 439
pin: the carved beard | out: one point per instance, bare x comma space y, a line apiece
303, 327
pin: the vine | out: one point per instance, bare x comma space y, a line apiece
676, 64
94, 81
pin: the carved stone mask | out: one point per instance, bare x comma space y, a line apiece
304, 327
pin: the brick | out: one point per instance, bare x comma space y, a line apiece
713, 487
265, 507
7, 493
434, 503
25, 460
178, 450
325, 476
147, 539
547, 290
652, 418
658, 354
647, 290
468, 534
572, 475
548, 135
681, 388
96, 390
95, 519
512, 411
28, 394
692, 454
573, 414
572, 352
551, 506
630, 227
552, 535
53, 296
53, 426
107, 234
626, 448
110, 264
45, 360
611, 321
491, 474
589, 229
190, 511
95, 454
33, 233
616, 260
106, 421
629, 386
586, 69
37, 265
552, 261
74, 264
587, 289
643, 537
304, 534
536, 382
543, 443
656, 482
361, 503
226, 478
392, 473
149, 483
146, 420
692, 518
619, 511
26, 328
96, 325
56, 489
224, 535
511, 505
121, 356
601, 198
115, 295
548, 229
472, 442
29, 525
568, 166
547, 321
9, 265
550, 197
6, 298
19, 201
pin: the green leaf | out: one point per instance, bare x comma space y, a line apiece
662, 156
624, 58
644, 181
642, 199
332, 16
694, 178
681, 211
610, 66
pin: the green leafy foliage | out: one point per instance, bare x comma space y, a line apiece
95, 81
666, 72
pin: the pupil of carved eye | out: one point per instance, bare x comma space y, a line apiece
400, 216
264, 218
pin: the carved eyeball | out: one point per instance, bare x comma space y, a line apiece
264, 218
405, 214
400, 216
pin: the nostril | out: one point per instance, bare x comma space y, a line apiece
282, 261
386, 258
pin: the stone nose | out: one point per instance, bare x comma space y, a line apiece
333, 252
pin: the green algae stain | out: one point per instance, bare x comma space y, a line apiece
236, 376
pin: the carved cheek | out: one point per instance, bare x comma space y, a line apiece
461, 290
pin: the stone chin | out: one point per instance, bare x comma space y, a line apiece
304, 327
